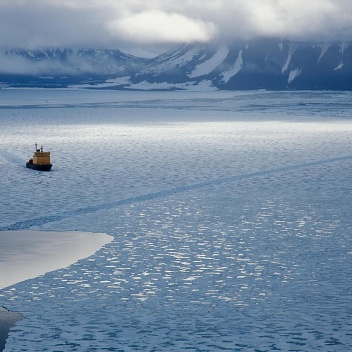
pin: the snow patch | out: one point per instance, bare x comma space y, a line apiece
153, 86
293, 75
210, 65
339, 66
118, 81
291, 50
175, 60
324, 49
235, 69
202, 86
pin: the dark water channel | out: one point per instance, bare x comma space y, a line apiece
7, 321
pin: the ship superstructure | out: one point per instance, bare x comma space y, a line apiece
40, 160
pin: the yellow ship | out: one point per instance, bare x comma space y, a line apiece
40, 160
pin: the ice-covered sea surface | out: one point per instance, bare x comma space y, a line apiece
231, 215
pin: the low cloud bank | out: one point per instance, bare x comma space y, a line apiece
115, 24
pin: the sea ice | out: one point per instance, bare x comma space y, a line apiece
230, 212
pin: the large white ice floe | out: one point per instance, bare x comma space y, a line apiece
28, 254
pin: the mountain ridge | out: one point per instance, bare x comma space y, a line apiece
261, 63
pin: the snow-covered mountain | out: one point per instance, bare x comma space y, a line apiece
63, 67
258, 64
262, 63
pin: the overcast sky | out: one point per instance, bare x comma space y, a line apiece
121, 23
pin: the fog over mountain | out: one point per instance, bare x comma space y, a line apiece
261, 63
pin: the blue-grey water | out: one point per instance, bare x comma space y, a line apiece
230, 211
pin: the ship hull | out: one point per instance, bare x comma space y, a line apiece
39, 167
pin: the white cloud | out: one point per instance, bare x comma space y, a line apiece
112, 23
156, 26
321, 19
